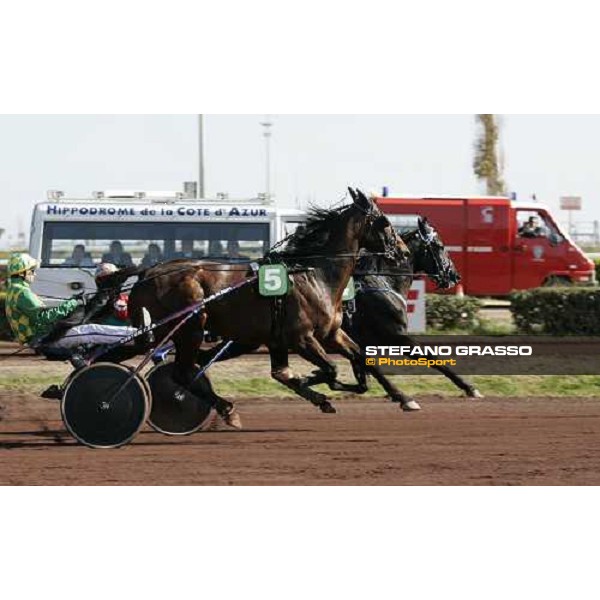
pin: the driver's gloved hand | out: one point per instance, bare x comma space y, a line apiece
81, 298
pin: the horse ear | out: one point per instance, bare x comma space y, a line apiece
423, 225
363, 202
353, 194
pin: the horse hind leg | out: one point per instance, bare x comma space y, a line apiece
468, 388
312, 351
281, 372
225, 409
342, 343
187, 345
348, 348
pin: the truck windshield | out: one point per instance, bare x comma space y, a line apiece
79, 244
404, 223
535, 225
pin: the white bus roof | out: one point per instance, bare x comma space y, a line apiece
151, 197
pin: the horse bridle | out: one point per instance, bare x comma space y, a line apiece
443, 273
390, 246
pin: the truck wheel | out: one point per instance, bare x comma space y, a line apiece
558, 281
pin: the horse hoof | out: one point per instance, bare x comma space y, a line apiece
232, 419
411, 406
475, 394
328, 409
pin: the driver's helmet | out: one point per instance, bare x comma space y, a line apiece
20, 263
105, 269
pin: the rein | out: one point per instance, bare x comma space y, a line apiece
247, 266
382, 290
188, 312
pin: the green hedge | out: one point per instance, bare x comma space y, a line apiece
597, 262
557, 311
452, 312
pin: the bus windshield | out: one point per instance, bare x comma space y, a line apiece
78, 244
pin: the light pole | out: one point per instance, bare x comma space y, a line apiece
201, 189
267, 125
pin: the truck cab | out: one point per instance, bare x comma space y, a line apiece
499, 245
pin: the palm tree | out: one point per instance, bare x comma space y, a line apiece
487, 165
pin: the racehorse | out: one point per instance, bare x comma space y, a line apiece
324, 253
382, 288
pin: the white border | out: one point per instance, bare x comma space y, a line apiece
73, 58
308, 57
299, 543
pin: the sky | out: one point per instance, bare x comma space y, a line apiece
314, 157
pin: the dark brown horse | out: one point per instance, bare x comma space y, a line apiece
324, 253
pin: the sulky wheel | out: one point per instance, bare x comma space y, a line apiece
177, 410
104, 405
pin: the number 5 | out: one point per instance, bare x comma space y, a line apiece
273, 280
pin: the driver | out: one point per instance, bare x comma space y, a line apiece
31, 321
531, 229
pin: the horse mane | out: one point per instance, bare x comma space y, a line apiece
408, 236
314, 236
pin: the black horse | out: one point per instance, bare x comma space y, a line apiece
382, 288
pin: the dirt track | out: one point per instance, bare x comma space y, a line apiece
370, 442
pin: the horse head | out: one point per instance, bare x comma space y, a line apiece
430, 256
378, 235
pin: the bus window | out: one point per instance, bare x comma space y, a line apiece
149, 243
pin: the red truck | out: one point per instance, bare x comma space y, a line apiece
498, 245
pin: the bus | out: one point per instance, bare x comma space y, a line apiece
70, 236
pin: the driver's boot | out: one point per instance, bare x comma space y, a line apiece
77, 359
54, 392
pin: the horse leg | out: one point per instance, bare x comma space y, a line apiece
348, 348
281, 372
187, 343
312, 351
468, 388
187, 346
407, 404
225, 409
